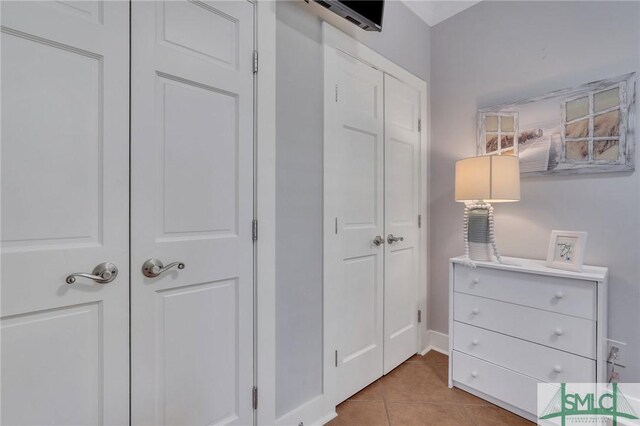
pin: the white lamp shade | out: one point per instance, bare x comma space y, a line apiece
490, 178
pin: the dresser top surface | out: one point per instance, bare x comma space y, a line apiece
591, 273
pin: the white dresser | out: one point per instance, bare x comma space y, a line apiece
516, 324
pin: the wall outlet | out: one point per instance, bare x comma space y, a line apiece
621, 359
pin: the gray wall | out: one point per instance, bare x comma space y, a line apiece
299, 122
497, 52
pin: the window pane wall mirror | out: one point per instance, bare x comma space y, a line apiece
585, 129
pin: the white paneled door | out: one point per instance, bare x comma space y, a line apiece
192, 211
356, 206
65, 192
401, 201
371, 217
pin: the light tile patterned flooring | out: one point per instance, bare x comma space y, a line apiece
416, 393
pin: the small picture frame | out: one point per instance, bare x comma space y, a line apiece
566, 250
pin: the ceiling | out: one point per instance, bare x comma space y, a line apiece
434, 12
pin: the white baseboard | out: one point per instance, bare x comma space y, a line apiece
310, 413
313, 412
436, 341
326, 419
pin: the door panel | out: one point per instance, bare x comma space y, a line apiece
194, 378
65, 168
402, 178
190, 116
72, 84
359, 212
192, 201
62, 352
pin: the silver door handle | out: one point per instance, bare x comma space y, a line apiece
391, 239
154, 267
103, 273
378, 240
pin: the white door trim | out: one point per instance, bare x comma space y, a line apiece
265, 205
336, 39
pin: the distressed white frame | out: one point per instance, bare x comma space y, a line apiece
627, 125
334, 39
265, 213
482, 132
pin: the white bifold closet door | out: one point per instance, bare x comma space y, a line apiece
372, 191
65, 199
357, 200
401, 210
192, 203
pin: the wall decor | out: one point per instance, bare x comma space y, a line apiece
566, 250
585, 129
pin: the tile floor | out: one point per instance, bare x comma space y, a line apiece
416, 393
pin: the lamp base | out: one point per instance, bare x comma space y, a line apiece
480, 252
479, 239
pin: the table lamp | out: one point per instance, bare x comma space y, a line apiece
480, 181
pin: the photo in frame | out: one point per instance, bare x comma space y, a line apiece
566, 250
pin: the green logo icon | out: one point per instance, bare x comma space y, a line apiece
611, 404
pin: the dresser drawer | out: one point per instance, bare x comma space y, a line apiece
562, 295
571, 334
540, 362
506, 385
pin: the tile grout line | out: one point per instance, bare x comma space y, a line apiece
384, 403
468, 407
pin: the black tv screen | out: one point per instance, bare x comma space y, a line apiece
372, 10
365, 14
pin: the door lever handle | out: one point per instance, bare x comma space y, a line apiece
103, 273
154, 267
378, 240
391, 239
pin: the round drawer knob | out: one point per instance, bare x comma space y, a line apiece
558, 331
475, 311
557, 369
559, 295
475, 342
476, 280
474, 374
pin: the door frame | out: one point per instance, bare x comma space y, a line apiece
265, 212
334, 39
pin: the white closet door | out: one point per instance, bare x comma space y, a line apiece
65, 192
402, 197
355, 203
192, 202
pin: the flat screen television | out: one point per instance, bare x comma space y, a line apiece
365, 14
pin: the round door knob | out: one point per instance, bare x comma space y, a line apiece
474, 374
475, 342
559, 295
557, 369
476, 280
475, 311
558, 331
